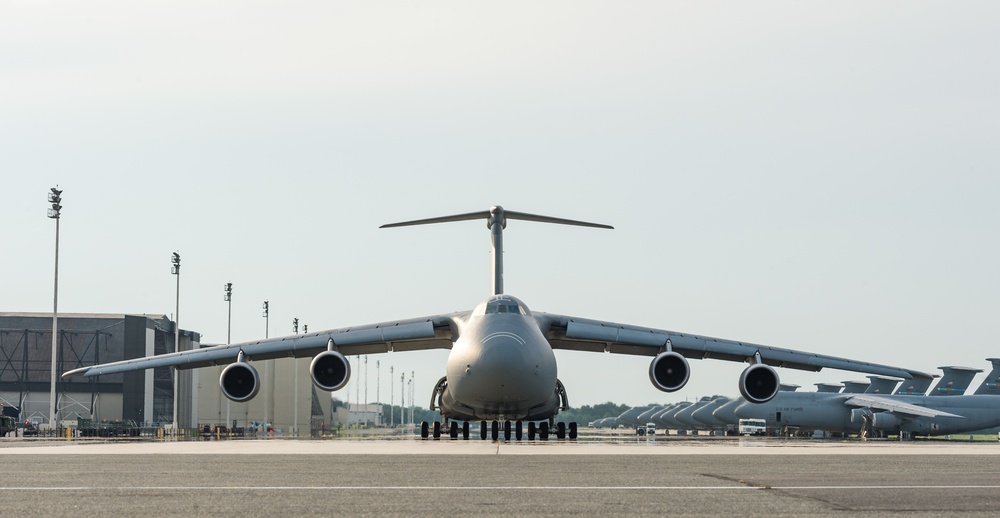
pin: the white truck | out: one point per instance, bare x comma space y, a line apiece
753, 427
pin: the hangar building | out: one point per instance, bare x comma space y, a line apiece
146, 396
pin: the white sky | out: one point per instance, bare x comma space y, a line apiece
815, 175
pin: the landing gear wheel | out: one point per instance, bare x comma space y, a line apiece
465, 430
519, 431
482, 430
543, 431
531, 430
423, 430
495, 430
437, 429
506, 430
560, 430
453, 431
572, 431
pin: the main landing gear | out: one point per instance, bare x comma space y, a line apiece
494, 430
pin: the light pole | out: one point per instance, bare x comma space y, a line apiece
176, 270
55, 199
229, 331
295, 392
268, 394
229, 323
391, 416
413, 386
402, 397
378, 378
366, 391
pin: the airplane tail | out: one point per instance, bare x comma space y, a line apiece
991, 385
955, 381
496, 220
881, 384
917, 386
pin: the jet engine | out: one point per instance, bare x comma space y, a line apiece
669, 371
886, 421
759, 383
330, 370
239, 381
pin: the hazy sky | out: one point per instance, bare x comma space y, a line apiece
815, 175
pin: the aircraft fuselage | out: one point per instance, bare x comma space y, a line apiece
501, 366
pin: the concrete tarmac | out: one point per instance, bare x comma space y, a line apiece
409, 476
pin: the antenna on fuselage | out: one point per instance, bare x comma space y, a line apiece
496, 220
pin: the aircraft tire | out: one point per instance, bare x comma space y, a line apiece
482, 430
519, 431
453, 431
560, 430
506, 430
572, 431
437, 429
495, 430
423, 430
465, 430
531, 430
543, 431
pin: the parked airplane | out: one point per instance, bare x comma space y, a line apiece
501, 366
921, 415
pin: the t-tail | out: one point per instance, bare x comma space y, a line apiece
991, 385
955, 381
496, 220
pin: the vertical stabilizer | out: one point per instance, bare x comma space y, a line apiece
829, 387
881, 385
991, 385
917, 386
955, 381
855, 387
496, 220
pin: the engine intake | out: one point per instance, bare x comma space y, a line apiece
239, 382
669, 371
759, 383
330, 370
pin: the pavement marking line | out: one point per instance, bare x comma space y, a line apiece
483, 488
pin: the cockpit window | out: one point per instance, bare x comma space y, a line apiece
504, 306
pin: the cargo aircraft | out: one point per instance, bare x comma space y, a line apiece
501, 368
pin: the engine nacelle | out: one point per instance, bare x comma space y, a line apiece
239, 382
886, 421
860, 415
759, 383
330, 370
669, 371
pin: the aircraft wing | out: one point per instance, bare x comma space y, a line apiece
899, 407
578, 334
436, 332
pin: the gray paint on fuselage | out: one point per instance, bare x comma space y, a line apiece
705, 414
501, 365
630, 417
727, 412
820, 411
684, 416
667, 418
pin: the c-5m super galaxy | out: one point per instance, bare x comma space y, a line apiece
501, 367
945, 410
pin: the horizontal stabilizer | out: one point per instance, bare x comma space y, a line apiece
497, 214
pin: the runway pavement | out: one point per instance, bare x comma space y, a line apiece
406, 477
